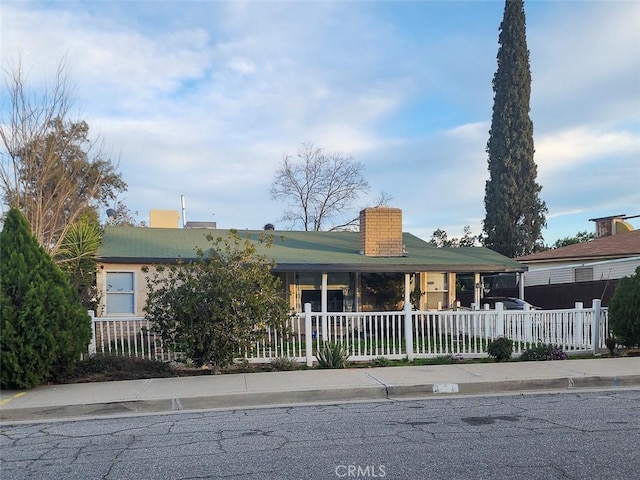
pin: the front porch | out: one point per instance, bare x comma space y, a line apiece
361, 291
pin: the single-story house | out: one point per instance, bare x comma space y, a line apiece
583, 271
334, 271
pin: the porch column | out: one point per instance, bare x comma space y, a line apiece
407, 289
477, 288
521, 284
451, 286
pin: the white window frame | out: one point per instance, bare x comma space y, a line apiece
131, 292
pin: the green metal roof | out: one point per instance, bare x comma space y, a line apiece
300, 251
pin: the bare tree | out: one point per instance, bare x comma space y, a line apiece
382, 200
318, 186
49, 168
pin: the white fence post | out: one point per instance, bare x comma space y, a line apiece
580, 324
499, 319
308, 334
92, 343
323, 308
408, 330
595, 332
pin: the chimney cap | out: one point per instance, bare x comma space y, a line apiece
612, 217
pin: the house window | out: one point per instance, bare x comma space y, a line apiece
583, 274
335, 300
120, 294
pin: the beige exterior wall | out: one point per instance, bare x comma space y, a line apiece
438, 289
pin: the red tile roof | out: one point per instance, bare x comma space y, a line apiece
615, 246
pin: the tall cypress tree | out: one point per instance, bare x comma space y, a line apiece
43, 326
515, 215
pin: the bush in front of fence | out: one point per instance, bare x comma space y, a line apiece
332, 355
501, 349
611, 343
283, 364
543, 351
219, 304
104, 368
624, 311
381, 362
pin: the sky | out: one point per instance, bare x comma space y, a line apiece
205, 98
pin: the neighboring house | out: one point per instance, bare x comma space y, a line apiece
581, 272
375, 269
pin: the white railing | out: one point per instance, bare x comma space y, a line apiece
369, 335
366, 335
127, 336
275, 344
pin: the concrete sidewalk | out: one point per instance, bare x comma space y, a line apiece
312, 386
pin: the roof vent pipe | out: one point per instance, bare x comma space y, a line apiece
184, 217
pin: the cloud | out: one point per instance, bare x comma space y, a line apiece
576, 147
204, 98
585, 65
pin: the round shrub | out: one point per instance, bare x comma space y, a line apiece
501, 348
543, 351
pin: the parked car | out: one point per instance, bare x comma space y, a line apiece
509, 303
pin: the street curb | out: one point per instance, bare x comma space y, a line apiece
566, 383
229, 401
302, 397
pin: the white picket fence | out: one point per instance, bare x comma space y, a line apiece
393, 335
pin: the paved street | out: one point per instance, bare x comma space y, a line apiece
579, 435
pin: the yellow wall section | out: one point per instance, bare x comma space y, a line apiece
622, 227
164, 218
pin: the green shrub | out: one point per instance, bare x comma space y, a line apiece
501, 348
283, 364
241, 365
380, 362
220, 303
43, 326
101, 368
624, 311
443, 360
543, 351
333, 355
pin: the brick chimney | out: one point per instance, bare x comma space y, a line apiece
607, 226
381, 232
